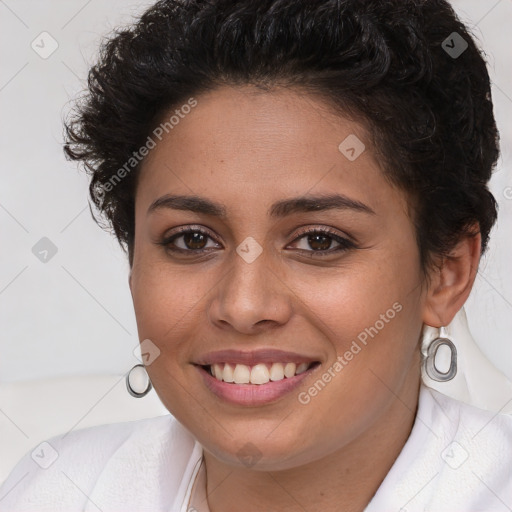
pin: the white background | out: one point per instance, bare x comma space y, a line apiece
73, 315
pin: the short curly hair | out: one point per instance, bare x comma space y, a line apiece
408, 69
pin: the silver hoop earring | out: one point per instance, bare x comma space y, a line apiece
137, 381
430, 362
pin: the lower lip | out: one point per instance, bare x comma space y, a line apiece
253, 394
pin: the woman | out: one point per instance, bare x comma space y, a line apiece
301, 187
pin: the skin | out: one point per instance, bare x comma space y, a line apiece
248, 149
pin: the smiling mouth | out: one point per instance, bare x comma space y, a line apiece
257, 374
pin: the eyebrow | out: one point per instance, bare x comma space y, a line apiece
279, 209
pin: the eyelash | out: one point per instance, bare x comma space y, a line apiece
345, 243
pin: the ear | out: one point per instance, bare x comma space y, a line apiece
452, 281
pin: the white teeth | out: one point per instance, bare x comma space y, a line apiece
242, 374
289, 369
301, 368
258, 374
217, 371
228, 373
276, 372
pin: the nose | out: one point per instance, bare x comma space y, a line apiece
251, 297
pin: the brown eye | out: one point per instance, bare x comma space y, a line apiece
318, 242
194, 241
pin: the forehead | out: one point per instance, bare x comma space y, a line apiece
243, 145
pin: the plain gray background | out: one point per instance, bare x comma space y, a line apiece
73, 315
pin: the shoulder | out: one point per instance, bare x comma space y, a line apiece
480, 428
457, 457
469, 457
63, 472
475, 437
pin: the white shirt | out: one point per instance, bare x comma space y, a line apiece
457, 459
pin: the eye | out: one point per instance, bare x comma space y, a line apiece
194, 241
320, 241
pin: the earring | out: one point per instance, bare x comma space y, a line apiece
430, 361
137, 381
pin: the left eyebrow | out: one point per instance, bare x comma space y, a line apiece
279, 209
317, 203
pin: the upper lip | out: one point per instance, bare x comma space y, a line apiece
253, 357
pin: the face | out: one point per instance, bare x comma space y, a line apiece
259, 284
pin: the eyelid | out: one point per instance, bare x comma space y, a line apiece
183, 230
324, 229
345, 242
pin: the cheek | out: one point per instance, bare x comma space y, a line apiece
347, 300
170, 304
164, 301
163, 295
371, 316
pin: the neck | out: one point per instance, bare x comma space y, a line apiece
349, 476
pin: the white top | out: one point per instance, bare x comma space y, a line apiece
457, 458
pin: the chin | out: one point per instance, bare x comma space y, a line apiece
260, 452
